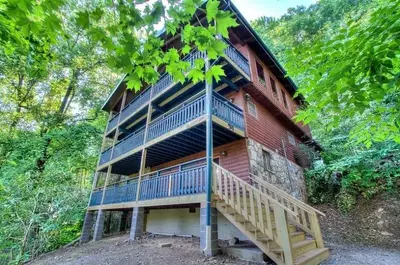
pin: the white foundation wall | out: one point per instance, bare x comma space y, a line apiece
182, 222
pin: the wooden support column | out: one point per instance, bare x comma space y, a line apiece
144, 150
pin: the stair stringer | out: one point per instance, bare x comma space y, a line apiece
250, 235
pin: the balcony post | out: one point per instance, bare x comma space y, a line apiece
208, 246
144, 150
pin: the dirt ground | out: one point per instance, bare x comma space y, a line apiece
119, 250
368, 235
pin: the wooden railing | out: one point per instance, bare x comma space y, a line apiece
237, 57
120, 192
167, 80
228, 112
105, 156
266, 213
113, 122
128, 143
95, 199
154, 186
175, 118
305, 217
169, 121
135, 104
190, 181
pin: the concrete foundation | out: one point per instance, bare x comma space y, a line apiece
137, 223
98, 230
245, 252
214, 250
87, 227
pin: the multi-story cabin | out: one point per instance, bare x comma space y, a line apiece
153, 167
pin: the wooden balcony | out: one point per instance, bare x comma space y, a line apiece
180, 180
182, 127
235, 64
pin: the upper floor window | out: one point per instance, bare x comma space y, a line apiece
284, 99
266, 160
291, 139
273, 87
252, 108
260, 73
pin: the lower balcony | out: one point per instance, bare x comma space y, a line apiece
177, 133
180, 180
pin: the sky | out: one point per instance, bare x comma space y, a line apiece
252, 9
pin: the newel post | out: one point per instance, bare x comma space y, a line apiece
282, 229
316, 229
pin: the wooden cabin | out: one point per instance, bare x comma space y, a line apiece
153, 170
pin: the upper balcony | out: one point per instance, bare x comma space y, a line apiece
177, 133
236, 68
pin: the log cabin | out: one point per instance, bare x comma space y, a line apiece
216, 161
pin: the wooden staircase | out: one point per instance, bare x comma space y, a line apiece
284, 228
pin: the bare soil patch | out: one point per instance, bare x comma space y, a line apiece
374, 222
120, 251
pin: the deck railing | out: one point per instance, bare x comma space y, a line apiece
187, 112
228, 112
237, 57
121, 192
135, 104
113, 122
105, 156
154, 185
167, 80
95, 199
175, 118
128, 143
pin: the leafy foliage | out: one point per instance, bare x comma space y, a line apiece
344, 55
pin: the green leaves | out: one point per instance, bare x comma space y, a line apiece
215, 72
212, 10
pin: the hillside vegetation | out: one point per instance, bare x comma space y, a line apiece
345, 59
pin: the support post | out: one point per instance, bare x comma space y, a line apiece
144, 150
137, 223
213, 248
87, 227
98, 230
208, 246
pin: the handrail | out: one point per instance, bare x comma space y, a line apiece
229, 43
287, 196
136, 98
161, 169
274, 201
257, 207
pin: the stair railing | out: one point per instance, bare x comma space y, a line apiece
255, 206
306, 216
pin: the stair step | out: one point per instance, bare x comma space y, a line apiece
312, 257
299, 248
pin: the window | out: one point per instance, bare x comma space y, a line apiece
273, 87
252, 109
267, 161
260, 73
284, 99
291, 139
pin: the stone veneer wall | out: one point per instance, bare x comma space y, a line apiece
287, 176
